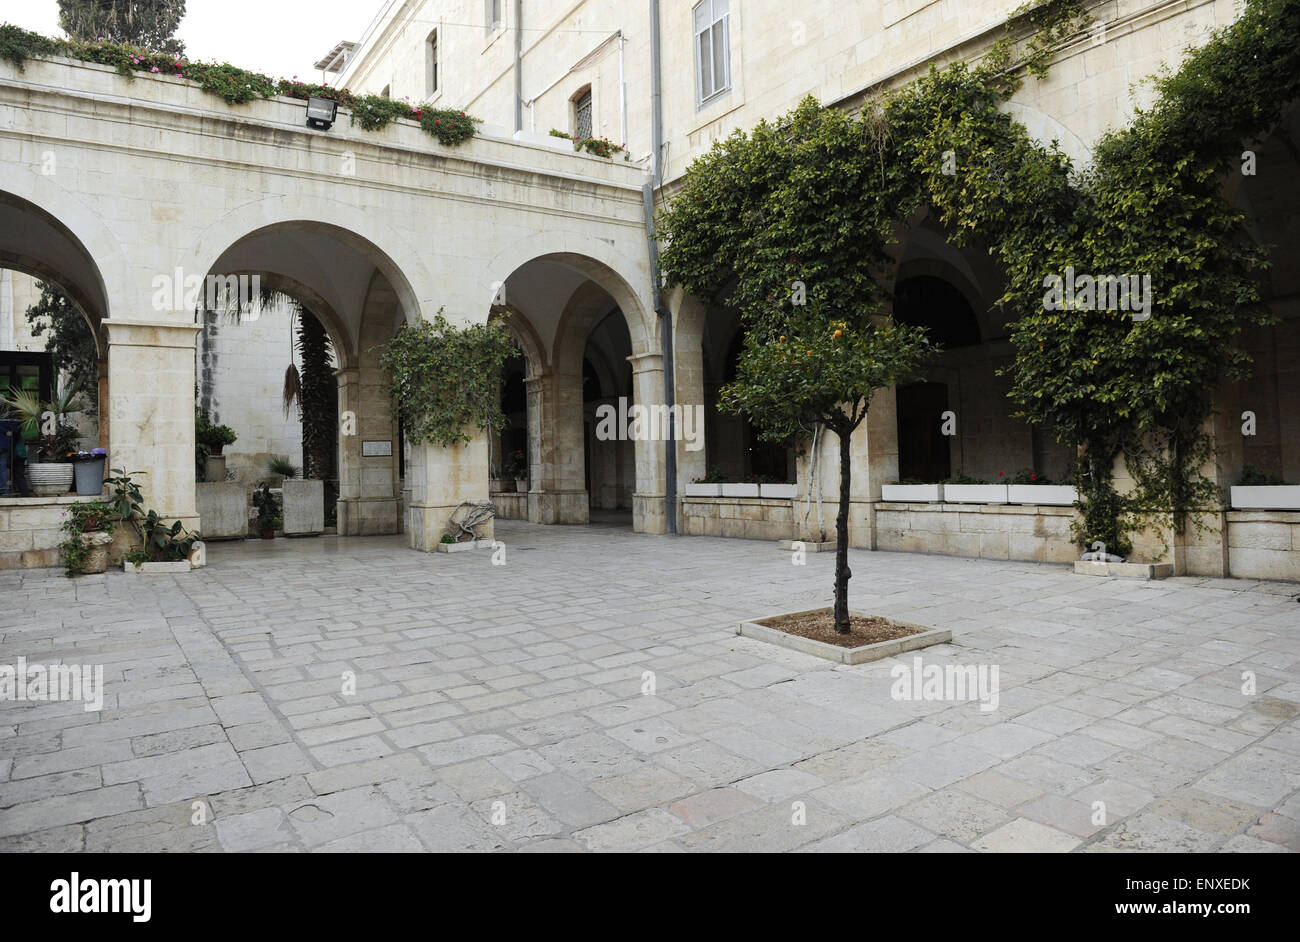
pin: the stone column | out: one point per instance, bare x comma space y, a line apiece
369, 501
556, 457
648, 499
151, 411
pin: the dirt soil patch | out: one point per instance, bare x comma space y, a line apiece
820, 626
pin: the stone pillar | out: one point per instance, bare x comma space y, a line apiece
439, 479
556, 488
151, 411
688, 367
369, 498
648, 499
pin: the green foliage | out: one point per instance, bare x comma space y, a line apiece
270, 508
84, 517
162, 542
282, 466
235, 85
68, 338
148, 23
209, 435
50, 442
600, 146
1023, 476
1252, 476
443, 379
447, 538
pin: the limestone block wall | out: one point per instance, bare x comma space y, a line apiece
1264, 545
1031, 533
747, 518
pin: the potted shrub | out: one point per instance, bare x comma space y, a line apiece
962, 489
88, 470
49, 470
268, 510
89, 527
517, 469
710, 485
1259, 491
1027, 486
214, 437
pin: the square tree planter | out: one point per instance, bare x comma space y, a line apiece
1054, 495
975, 493
1266, 497
833, 652
912, 493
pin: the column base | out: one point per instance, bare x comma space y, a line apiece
558, 507
361, 517
648, 514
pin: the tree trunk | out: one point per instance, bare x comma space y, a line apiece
842, 572
318, 399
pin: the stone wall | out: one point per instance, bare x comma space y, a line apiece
745, 517
1264, 545
989, 531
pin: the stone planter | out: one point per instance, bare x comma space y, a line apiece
912, 493
89, 476
97, 544
494, 485
214, 469
833, 652
975, 493
808, 546
146, 569
521, 485
1088, 567
49, 478
778, 491
1266, 497
739, 490
304, 507
461, 547
703, 490
1054, 495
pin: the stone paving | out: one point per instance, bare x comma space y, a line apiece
591, 695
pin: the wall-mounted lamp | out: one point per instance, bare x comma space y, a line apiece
321, 112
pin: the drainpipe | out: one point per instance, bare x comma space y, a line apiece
622, 95
665, 318
519, 55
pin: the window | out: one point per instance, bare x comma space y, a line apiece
712, 49
387, 92
431, 63
492, 14
582, 114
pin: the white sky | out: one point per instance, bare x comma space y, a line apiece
279, 37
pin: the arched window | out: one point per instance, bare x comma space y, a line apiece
582, 114
431, 64
387, 92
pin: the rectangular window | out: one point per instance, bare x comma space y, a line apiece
712, 49
432, 55
492, 19
582, 116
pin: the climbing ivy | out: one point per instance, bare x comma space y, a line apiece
1150, 204
233, 84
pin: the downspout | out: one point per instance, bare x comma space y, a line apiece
665, 318
622, 95
519, 55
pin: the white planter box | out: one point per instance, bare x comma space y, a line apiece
739, 490
703, 490
779, 491
464, 547
1266, 497
975, 493
913, 493
182, 565
1056, 495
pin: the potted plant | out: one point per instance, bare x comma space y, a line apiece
88, 469
268, 510
89, 527
963, 489
710, 485
1260, 491
215, 437
49, 470
1027, 486
517, 469
910, 490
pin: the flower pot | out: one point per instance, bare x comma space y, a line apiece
695, 489
97, 544
49, 478
494, 485
778, 491
521, 485
215, 450
975, 493
268, 533
911, 493
1266, 497
90, 477
1053, 495
740, 490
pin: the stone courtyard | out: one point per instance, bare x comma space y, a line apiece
591, 695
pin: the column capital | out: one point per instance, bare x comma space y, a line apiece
646, 362
130, 332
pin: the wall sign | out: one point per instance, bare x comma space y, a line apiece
377, 449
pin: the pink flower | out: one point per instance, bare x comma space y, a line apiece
155, 69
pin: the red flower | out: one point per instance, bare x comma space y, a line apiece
1001, 473
1033, 477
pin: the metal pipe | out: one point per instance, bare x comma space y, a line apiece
519, 55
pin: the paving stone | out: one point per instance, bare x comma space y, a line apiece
569, 799
1148, 831
780, 784
45, 813
632, 832
273, 762
253, 830
339, 814
1023, 836
454, 828
954, 813
887, 835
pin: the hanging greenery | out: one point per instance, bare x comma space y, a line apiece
450, 126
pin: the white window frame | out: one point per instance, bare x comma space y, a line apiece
494, 15
432, 64
715, 23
